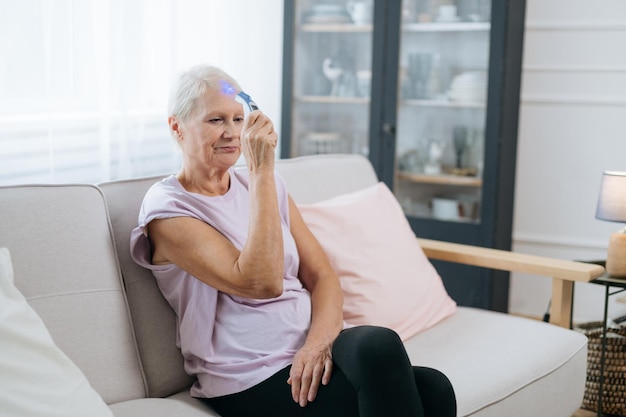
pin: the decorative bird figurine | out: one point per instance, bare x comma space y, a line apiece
333, 73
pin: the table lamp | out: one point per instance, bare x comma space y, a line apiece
612, 207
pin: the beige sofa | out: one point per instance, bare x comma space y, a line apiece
70, 250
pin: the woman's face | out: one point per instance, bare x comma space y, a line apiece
211, 137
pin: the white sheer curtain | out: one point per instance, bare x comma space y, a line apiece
84, 83
83, 89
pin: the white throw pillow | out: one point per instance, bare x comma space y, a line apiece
386, 278
36, 378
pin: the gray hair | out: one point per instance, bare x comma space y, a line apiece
193, 84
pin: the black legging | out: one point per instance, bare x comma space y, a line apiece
372, 377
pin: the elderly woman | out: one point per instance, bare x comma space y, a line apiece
259, 306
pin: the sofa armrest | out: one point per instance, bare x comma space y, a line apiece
563, 273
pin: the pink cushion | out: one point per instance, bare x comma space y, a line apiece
385, 276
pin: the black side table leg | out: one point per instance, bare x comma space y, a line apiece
602, 353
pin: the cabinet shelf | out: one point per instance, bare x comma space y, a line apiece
441, 179
442, 103
405, 102
447, 27
333, 99
336, 28
407, 27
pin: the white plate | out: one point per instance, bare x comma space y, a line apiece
327, 8
323, 136
321, 18
448, 19
467, 97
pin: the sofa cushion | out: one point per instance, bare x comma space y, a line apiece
385, 276
38, 379
517, 373
65, 265
180, 404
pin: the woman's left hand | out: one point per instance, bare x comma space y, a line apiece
311, 366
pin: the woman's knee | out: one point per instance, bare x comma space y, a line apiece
369, 344
431, 377
435, 388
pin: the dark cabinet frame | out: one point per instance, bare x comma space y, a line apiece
467, 285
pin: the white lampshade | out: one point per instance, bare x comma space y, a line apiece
612, 198
612, 207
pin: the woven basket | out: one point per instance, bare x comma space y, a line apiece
614, 385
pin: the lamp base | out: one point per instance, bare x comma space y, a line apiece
616, 256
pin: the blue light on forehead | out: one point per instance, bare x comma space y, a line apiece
227, 88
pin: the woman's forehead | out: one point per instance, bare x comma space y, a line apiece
216, 99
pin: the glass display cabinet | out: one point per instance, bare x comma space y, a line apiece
331, 78
429, 91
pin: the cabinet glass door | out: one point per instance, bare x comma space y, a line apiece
331, 77
442, 96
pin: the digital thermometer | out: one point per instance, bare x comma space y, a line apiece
248, 104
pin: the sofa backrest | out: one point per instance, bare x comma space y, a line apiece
320, 177
309, 179
153, 319
65, 265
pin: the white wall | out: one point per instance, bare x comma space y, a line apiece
243, 37
572, 127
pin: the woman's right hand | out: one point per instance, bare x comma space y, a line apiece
258, 142
312, 366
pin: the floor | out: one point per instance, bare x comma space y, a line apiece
584, 413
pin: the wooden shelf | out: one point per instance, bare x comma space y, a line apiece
405, 102
333, 99
441, 179
443, 103
336, 27
447, 27
407, 27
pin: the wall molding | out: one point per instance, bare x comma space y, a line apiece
574, 101
583, 25
562, 242
599, 69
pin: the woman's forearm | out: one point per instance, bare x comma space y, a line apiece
327, 312
262, 257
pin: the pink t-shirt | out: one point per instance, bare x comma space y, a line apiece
230, 343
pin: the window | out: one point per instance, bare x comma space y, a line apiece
84, 83
77, 96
